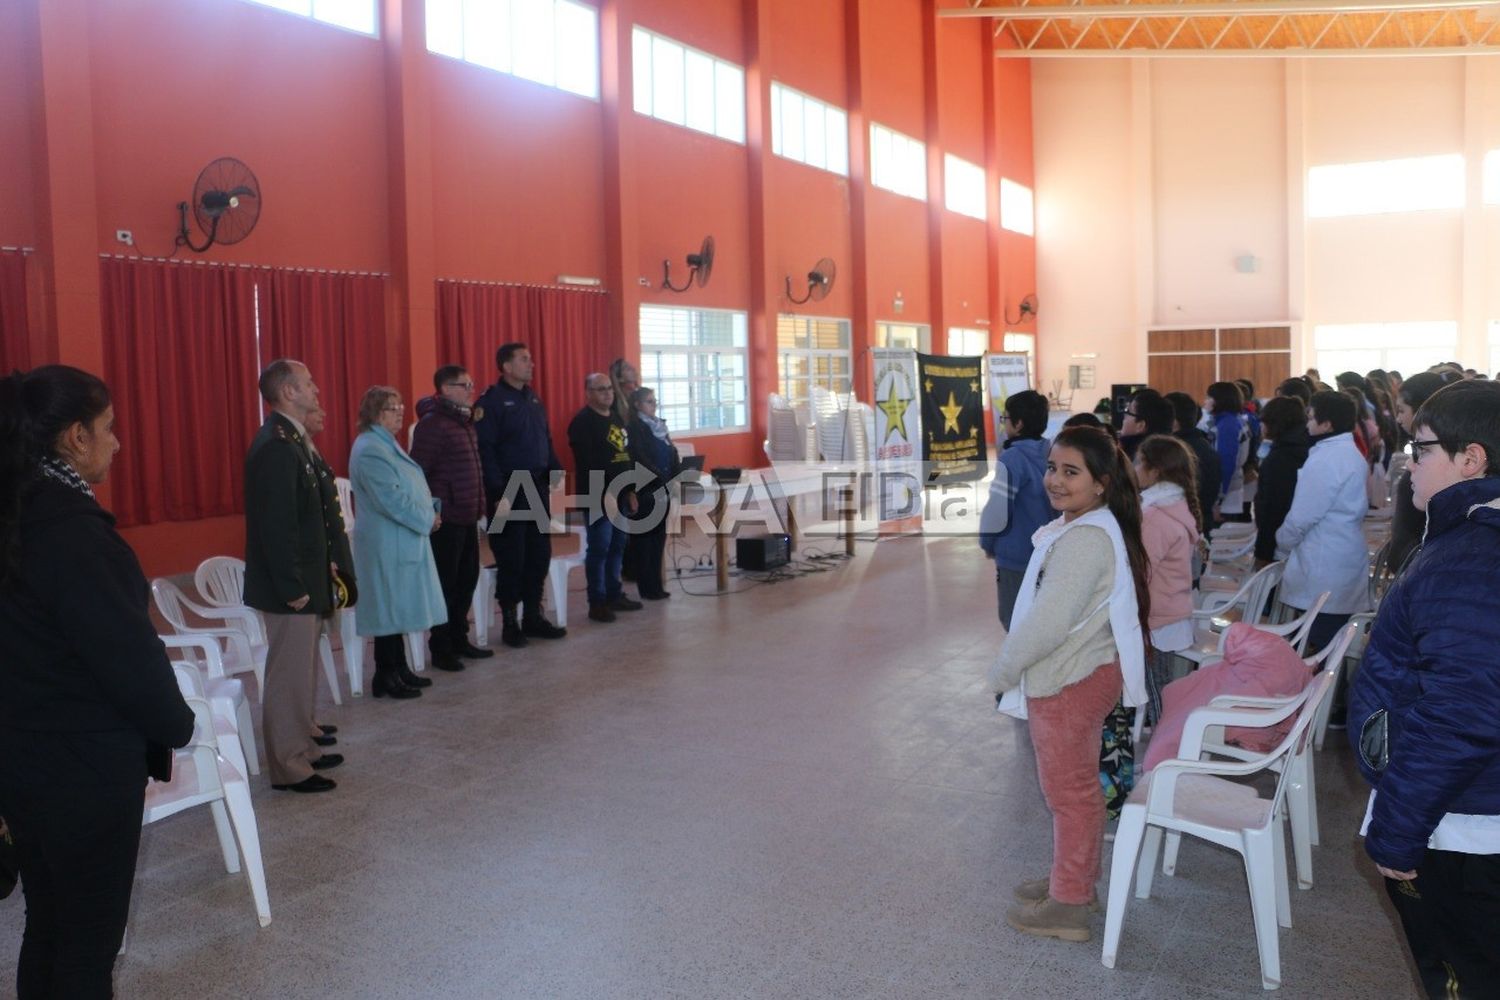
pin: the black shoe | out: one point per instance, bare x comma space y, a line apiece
390, 685
325, 741
660, 595
411, 680
470, 651
327, 761
512, 635
541, 628
328, 730
601, 613
448, 662
312, 783
623, 603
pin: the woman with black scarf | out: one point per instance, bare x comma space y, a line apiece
89, 706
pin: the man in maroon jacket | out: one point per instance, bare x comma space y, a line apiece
444, 445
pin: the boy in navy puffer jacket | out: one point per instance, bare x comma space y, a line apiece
1424, 709
1017, 504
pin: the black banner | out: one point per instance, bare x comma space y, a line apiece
953, 448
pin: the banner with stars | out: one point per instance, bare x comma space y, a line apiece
952, 391
894, 448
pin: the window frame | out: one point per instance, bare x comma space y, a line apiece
1330, 186
511, 40
311, 15
812, 356
903, 150
741, 332
718, 68
780, 93
978, 181
1021, 199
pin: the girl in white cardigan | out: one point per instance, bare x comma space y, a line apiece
1076, 641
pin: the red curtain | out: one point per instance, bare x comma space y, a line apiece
179, 357
15, 343
566, 329
334, 324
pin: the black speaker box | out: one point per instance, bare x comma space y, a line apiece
762, 552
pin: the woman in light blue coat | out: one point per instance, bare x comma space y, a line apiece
399, 590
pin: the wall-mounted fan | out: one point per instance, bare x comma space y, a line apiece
226, 205
819, 282
1028, 311
700, 266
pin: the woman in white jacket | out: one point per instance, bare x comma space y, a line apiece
1322, 538
1075, 643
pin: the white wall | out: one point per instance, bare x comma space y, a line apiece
1152, 176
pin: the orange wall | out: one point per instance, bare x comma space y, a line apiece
521, 177
298, 102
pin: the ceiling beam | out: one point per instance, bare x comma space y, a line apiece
1248, 8
1141, 53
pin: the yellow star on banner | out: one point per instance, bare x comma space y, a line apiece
894, 406
950, 414
974, 385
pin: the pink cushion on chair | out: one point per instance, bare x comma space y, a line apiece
1255, 663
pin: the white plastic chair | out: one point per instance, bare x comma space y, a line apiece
1295, 631
1217, 611
226, 695
206, 772
1194, 797
240, 652
346, 501
220, 580
1204, 735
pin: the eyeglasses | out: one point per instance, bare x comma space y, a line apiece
1132, 413
601, 388
398, 408
1414, 447
462, 385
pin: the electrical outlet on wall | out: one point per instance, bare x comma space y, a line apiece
125, 236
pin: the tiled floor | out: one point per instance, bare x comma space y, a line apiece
796, 791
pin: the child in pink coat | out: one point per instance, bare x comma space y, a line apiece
1167, 473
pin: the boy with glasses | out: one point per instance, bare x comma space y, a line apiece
1425, 706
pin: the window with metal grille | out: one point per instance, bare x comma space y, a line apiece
697, 360
812, 350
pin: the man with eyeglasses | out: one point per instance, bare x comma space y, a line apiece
1424, 708
445, 445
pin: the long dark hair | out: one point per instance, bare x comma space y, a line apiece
35, 408
1227, 398
1173, 462
1112, 470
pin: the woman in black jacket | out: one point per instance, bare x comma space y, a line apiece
1284, 424
89, 706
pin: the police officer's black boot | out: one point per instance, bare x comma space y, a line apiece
510, 632
537, 627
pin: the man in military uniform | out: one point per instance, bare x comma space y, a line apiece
296, 555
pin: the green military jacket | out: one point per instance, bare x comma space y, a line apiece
293, 527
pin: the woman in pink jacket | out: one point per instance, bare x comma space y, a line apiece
1167, 473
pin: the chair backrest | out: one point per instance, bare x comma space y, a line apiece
1296, 741
346, 501
204, 646
203, 748
1258, 591
220, 580
170, 602
1303, 626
